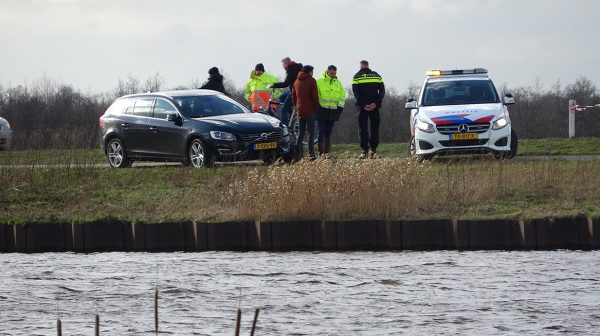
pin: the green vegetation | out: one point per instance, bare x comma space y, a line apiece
527, 147
327, 189
554, 146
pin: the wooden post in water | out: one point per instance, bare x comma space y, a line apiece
156, 309
254, 322
97, 325
58, 327
238, 322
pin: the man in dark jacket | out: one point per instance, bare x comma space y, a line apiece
306, 99
368, 90
291, 69
215, 81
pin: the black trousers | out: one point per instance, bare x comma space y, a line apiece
304, 124
368, 141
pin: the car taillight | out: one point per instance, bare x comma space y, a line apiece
101, 123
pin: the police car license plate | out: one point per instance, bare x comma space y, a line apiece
265, 145
463, 136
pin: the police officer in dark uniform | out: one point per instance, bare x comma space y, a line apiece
369, 90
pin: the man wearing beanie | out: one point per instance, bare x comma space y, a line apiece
215, 81
306, 99
257, 90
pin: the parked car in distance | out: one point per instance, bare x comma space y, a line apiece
194, 127
460, 111
5, 135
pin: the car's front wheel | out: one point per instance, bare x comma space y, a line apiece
412, 151
199, 156
514, 145
116, 154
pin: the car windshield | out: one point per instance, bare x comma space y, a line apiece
208, 106
460, 92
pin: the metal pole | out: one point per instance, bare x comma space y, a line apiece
238, 322
572, 109
97, 326
254, 322
58, 328
156, 309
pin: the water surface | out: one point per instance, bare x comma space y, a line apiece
364, 293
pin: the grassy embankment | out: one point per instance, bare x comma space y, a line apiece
580, 146
346, 189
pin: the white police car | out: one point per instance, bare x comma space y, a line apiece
460, 111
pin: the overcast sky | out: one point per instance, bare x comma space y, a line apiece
92, 43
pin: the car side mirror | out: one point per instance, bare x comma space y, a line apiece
509, 99
411, 104
174, 118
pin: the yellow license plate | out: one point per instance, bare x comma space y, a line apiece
265, 145
464, 136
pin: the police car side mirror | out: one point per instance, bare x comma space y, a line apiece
410, 104
509, 99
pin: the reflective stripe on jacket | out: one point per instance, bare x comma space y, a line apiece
257, 93
331, 92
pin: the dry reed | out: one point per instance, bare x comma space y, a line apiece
397, 189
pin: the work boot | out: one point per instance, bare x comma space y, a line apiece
373, 155
364, 156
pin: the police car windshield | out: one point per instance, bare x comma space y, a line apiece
208, 106
459, 92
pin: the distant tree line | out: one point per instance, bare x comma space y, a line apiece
47, 114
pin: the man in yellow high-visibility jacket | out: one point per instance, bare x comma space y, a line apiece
257, 92
332, 98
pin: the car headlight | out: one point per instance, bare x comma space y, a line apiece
425, 126
286, 132
222, 135
500, 123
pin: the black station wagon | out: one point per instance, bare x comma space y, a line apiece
195, 127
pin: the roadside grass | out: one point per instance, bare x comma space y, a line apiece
527, 147
556, 146
327, 189
52, 156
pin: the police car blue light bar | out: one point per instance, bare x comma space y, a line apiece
456, 72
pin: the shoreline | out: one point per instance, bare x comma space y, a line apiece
573, 233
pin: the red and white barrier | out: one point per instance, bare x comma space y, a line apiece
573, 107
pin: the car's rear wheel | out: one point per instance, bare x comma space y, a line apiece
199, 156
116, 154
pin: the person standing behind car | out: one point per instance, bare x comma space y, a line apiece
368, 89
257, 91
332, 98
291, 69
306, 99
215, 81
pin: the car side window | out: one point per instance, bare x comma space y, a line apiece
162, 108
119, 106
128, 107
143, 107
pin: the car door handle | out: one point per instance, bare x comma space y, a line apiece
154, 129
125, 124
